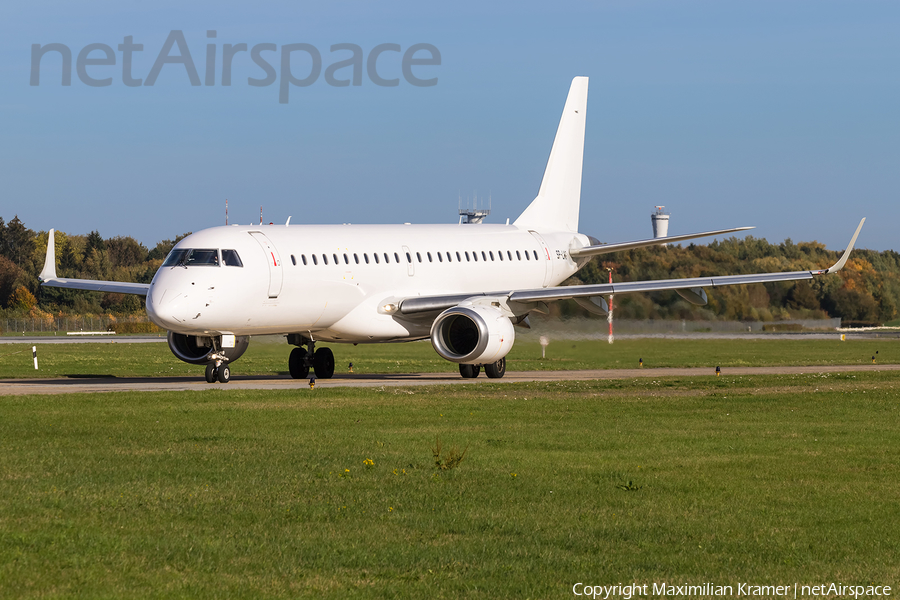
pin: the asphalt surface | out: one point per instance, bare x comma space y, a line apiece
173, 384
79, 339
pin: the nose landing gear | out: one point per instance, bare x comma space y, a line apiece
221, 373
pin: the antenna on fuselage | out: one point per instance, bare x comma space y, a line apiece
474, 215
226, 211
260, 215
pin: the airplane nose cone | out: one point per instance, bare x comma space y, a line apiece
165, 307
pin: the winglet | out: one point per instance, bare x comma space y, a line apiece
843, 260
49, 271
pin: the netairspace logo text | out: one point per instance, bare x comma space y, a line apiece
347, 63
740, 590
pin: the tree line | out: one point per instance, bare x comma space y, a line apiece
865, 292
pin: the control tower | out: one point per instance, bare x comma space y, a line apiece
660, 220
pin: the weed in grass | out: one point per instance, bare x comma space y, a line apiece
448, 461
629, 487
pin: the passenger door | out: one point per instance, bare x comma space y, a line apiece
276, 276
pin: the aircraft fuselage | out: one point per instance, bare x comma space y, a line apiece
332, 282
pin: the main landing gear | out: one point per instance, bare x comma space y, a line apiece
301, 360
494, 370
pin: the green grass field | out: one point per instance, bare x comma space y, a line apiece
268, 356
335, 493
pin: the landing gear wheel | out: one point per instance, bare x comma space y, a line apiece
469, 371
496, 370
224, 374
297, 364
211, 374
323, 363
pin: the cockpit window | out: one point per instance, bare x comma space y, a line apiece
208, 257
231, 258
175, 257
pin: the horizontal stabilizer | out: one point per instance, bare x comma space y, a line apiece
620, 246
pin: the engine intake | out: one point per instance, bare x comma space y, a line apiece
472, 335
196, 349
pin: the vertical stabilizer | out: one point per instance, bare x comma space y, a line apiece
557, 203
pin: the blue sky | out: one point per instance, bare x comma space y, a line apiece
782, 115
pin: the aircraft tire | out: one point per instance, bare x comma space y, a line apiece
297, 364
323, 363
211, 375
223, 374
469, 371
496, 370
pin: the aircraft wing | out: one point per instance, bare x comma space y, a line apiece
48, 277
411, 306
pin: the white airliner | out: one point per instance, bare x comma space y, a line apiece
465, 286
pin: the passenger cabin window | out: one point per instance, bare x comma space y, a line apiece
366, 257
303, 258
527, 256
483, 255
429, 256
346, 260
535, 254
419, 256
475, 256
375, 256
458, 257
315, 260
325, 259
356, 257
293, 260
518, 256
387, 259
500, 254
408, 258
509, 254
492, 254
336, 261
396, 258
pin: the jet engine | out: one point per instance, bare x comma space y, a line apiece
472, 335
201, 350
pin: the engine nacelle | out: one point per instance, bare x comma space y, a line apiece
473, 335
197, 349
